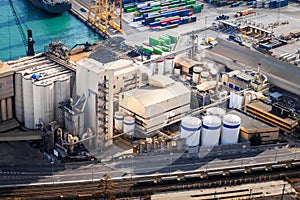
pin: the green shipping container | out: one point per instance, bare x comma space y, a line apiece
173, 38
147, 49
128, 6
153, 41
155, 9
173, 6
167, 40
191, 2
168, 46
161, 41
131, 10
157, 50
159, 18
165, 49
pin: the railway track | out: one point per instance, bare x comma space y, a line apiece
128, 187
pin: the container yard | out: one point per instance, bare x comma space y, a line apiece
190, 88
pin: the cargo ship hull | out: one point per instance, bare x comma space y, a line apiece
54, 8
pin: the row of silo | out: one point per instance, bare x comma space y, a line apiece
38, 93
162, 66
213, 130
124, 123
239, 100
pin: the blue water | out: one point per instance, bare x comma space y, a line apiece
45, 28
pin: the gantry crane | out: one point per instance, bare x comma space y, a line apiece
29, 43
106, 13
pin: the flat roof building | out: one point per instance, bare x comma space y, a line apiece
251, 125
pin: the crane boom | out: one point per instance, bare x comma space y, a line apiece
18, 23
27, 43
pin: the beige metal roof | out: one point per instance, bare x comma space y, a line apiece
116, 65
184, 61
91, 64
207, 85
5, 69
120, 66
160, 81
150, 95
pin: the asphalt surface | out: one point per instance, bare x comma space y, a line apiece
14, 174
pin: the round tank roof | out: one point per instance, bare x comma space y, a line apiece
191, 121
230, 118
211, 120
129, 119
216, 111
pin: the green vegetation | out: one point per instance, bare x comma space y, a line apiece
105, 188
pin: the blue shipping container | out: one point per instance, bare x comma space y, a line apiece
154, 24
136, 19
234, 5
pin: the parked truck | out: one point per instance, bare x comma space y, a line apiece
244, 12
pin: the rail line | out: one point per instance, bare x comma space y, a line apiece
129, 187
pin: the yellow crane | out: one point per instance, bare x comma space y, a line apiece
106, 13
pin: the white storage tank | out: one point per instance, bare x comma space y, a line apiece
152, 67
230, 129
62, 92
196, 74
19, 108
190, 130
119, 117
204, 76
210, 131
3, 110
43, 98
9, 108
232, 100
160, 66
248, 98
239, 102
129, 125
28, 101
216, 111
169, 65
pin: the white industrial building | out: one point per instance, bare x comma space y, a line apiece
98, 83
156, 105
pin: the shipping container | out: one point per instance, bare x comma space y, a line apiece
234, 5
136, 19
154, 24
282, 55
174, 39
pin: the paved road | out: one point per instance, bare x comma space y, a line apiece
141, 165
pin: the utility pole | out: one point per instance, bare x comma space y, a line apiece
282, 192
278, 15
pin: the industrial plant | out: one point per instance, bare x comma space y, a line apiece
222, 90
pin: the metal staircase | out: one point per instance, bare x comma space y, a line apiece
102, 109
